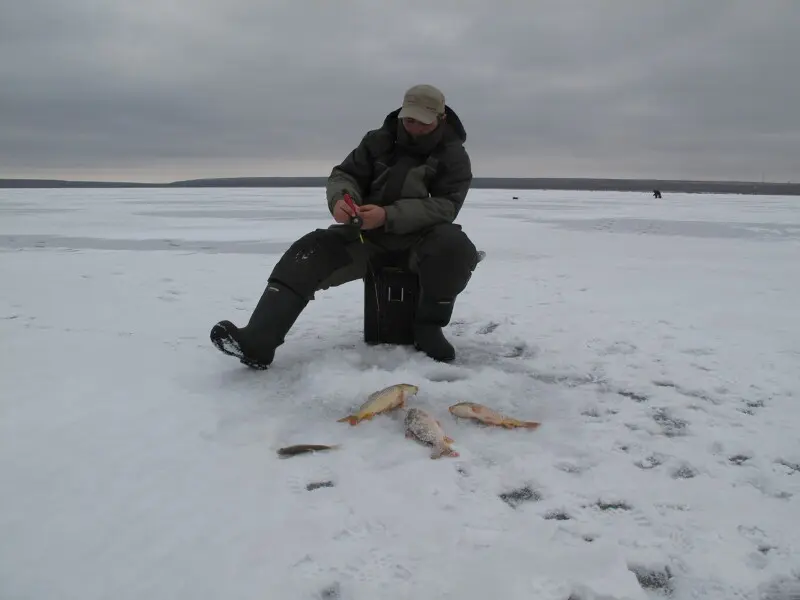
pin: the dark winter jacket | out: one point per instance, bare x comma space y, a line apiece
433, 174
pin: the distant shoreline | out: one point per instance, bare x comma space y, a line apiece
508, 183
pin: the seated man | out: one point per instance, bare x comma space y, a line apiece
408, 180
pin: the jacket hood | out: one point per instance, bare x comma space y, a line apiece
453, 125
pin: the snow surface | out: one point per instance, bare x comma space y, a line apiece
658, 341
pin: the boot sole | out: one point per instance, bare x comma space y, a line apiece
227, 345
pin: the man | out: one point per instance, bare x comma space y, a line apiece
408, 180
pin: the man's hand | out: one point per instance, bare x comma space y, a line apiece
342, 212
372, 215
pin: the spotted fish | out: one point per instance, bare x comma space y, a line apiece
422, 426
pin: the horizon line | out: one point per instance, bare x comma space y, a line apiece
519, 183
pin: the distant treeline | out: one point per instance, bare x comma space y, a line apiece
507, 183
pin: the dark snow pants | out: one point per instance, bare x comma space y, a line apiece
442, 256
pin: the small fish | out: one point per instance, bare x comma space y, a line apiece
421, 425
304, 448
484, 414
382, 401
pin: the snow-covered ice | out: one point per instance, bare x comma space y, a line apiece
658, 341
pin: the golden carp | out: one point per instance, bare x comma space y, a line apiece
382, 401
422, 426
484, 414
304, 448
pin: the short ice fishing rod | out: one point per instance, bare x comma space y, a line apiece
355, 219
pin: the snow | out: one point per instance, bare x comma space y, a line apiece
658, 341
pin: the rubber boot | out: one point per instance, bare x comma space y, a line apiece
431, 316
254, 345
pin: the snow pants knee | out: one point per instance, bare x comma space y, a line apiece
321, 259
444, 258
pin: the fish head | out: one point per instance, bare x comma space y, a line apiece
414, 413
462, 409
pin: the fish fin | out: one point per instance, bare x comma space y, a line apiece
531, 424
352, 419
368, 416
443, 450
438, 452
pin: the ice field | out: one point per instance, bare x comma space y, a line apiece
657, 340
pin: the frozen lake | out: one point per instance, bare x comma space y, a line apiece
658, 342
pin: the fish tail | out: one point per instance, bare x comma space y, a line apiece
352, 419
530, 424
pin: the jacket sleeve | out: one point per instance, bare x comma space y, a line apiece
352, 175
448, 193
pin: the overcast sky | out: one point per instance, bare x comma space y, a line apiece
158, 90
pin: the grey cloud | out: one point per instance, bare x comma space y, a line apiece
679, 89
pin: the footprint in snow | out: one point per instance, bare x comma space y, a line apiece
377, 565
171, 296
636, 397
670, 426
650, 462
520, 495
660, 580
621, 347
689, 393
738, 459
698, 351
684, 472
309, 483
557, 515
332, 592
315, 485
488, 328
791, 467
615, 505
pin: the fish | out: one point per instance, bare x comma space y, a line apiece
422, 426
484, 414
304, 448
381, 401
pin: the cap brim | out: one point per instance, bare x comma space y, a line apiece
417, 113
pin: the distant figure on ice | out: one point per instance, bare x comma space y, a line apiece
408, 180
656, 194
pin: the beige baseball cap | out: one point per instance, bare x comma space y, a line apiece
423, 103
